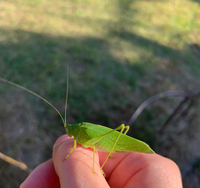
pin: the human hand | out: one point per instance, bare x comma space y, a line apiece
122, 170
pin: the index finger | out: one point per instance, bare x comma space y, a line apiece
76, 170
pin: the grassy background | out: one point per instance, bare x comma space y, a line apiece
119, 53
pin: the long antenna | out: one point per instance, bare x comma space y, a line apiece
67, 91
21, 87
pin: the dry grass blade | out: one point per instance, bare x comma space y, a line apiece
15, 163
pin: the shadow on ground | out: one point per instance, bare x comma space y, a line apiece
197, 1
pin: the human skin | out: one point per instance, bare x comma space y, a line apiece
122, 170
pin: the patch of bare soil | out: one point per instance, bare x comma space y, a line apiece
20, 137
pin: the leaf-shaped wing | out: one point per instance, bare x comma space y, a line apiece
97, 135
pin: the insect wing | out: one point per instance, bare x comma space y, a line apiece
98, 136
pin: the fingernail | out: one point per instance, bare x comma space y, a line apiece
61, 139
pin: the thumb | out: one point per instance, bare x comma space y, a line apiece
76, 170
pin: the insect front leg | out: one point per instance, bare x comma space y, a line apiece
71, 150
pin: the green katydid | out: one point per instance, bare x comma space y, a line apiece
98, 137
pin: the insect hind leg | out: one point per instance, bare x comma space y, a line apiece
121, 127
127, 129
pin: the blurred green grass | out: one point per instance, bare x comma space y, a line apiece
119, 54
